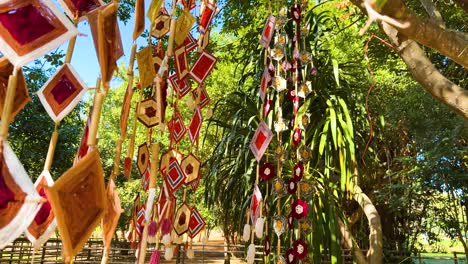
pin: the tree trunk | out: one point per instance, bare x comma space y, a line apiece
375, 253
447, 42
426, 73
351, 244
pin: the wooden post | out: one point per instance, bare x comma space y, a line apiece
419, 258
93, 128
71, 44
455, 258
52, 145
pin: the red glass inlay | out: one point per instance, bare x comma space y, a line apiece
261, 138
44, 212
25, 24
6, 195
63, 90
150, 111
85, 5
182, 218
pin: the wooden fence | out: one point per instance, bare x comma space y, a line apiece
21, 251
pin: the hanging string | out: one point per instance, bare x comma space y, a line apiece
371, 87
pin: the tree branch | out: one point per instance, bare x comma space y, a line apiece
427, 74
433, 12
426, 32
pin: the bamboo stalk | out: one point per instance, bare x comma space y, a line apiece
131, 144
93, 128
52, 145
152, 185
8, 105
71, 44
170, 45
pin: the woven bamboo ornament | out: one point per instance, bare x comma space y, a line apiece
44, 223
153, 9
31, 28
145, 66
107, 41
139, 26
183, 25
79, 8
111, 215
20, 201
62, 92
78, 200
21, 94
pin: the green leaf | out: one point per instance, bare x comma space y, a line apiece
333, 125
335, 72
344, 107
323, 137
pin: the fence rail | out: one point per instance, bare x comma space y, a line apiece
21, 251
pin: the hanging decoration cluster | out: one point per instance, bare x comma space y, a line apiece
172, 70
76, 202
283, 90
79, 200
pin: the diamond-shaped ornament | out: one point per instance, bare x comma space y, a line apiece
182, 219
195, 125
202, 67
204, 99
191, 167
112, 213
261, 140
190, 43
21, 94
79, 8
31, 28
114, 46
196, 223
161, 26
177, 128
143, 158
78, 199
175, 176
182, 87
62, 92
180, 59
109, 42
209, 11
268, 31
44, 223
19, 200
255, 204
167, 157
147, 112
266, 78
140, 218
166, 203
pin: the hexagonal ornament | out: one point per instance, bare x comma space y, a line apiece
161, 26
147, 112
191, 166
